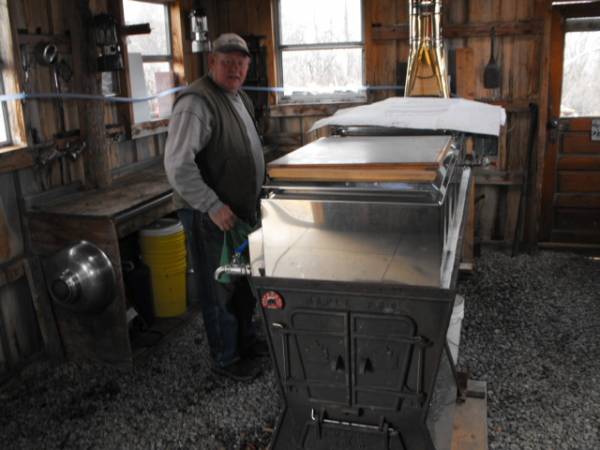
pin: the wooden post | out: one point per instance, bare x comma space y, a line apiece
537, 219
468, 256
43, 309
87, 81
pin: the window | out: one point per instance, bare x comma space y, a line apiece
150, 58
321, 49
12, 129
5, 138
581, 65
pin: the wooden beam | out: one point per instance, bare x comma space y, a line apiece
497, 177
468, 253
12, 71
144, 129
511, 105
61, 41
569, 246
465, 73
470, 419
578, 162
178, 43
43, 309
294, 139
124, 110
12, 271
87, 80
578, 181
138, 28
160, 2
577, 200
580, 9
311, 110
15, 158
357, 174
482, 29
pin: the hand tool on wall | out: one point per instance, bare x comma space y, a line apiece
26, 66
491, 74
47, 54
66, 143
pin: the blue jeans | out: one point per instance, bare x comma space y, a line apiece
227, 309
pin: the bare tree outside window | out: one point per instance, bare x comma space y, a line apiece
581, 69
321, 49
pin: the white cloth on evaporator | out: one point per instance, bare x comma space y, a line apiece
422, 113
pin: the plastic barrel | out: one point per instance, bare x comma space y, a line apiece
163, 250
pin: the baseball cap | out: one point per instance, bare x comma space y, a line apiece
230, 42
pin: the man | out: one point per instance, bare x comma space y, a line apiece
214, 162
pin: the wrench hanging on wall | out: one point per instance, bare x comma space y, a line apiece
46, 53
66, 143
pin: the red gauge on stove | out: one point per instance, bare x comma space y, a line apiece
272, 300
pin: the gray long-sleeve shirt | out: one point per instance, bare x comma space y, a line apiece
190, 129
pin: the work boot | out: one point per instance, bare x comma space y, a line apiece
241, 370
258, 349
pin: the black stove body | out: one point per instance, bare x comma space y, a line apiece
356, 284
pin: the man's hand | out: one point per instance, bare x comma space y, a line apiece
224, 218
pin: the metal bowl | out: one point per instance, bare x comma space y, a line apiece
81, 278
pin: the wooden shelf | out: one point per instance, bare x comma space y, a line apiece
101, 216
128, 192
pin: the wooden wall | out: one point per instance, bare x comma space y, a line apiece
521, 37
520, 30
21, 175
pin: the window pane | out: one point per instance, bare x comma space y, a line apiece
155, 43
149, 79
322, 71
159, 78
3, 131
320, 21
580, 88
4, 137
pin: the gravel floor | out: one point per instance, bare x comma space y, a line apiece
531, 331
170, 400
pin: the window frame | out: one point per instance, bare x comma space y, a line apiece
149, 59
169, 31
176, 17
309, 98
5, 117
576, 25
11, 155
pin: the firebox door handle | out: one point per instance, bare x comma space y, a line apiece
337, 364
365, 366
450, 157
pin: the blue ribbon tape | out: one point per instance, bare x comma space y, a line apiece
71, 96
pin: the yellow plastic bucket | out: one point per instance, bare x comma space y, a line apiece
166, 261
169, 293
163, 250
163, 244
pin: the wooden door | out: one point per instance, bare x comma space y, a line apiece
571, 185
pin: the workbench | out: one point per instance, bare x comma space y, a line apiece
103, 217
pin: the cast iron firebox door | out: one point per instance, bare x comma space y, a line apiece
356, 362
